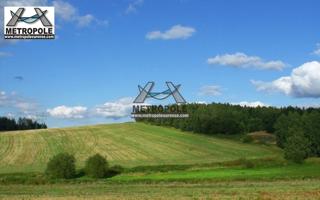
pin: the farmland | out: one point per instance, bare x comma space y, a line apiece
159, 162
280, 189
128, 144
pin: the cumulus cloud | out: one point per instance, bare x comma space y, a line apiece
241, 60
133, 6
115, 109
210, 90
76, 112
175, 32
251, 104
304, 81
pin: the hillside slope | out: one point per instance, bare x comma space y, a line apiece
128, 144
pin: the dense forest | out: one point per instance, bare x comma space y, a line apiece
9, 124
299, 123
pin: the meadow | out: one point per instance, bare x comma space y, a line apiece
159, 162
127, 144
279, 189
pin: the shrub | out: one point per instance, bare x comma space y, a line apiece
297, 147
96, 166
61, 166
247, 139
114, 170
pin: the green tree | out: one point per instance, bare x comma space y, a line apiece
61, 166
297, 146
312, 129
283, 124
96, 166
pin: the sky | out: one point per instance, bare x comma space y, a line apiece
230, 51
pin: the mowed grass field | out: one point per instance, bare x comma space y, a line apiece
281, 189
161, 163
127, 144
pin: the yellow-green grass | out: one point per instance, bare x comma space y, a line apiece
282, 172
127, 144
280, 189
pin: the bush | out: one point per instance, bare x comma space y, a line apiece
114, 170
247, 139
61, 166
96, 166
297, 147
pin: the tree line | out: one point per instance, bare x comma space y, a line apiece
10, 124
286, 122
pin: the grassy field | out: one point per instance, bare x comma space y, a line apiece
128, 144
280, 189
272, 182
292, 171
161, 163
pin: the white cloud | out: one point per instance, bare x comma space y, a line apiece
251, 104
210, 90
132, 7
115, 109
76, 112
175, 32
317, 50
304, 81
242, 60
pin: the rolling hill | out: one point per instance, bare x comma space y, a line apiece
127, 144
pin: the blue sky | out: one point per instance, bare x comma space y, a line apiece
236, 51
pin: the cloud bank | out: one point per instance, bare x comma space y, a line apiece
111, 109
